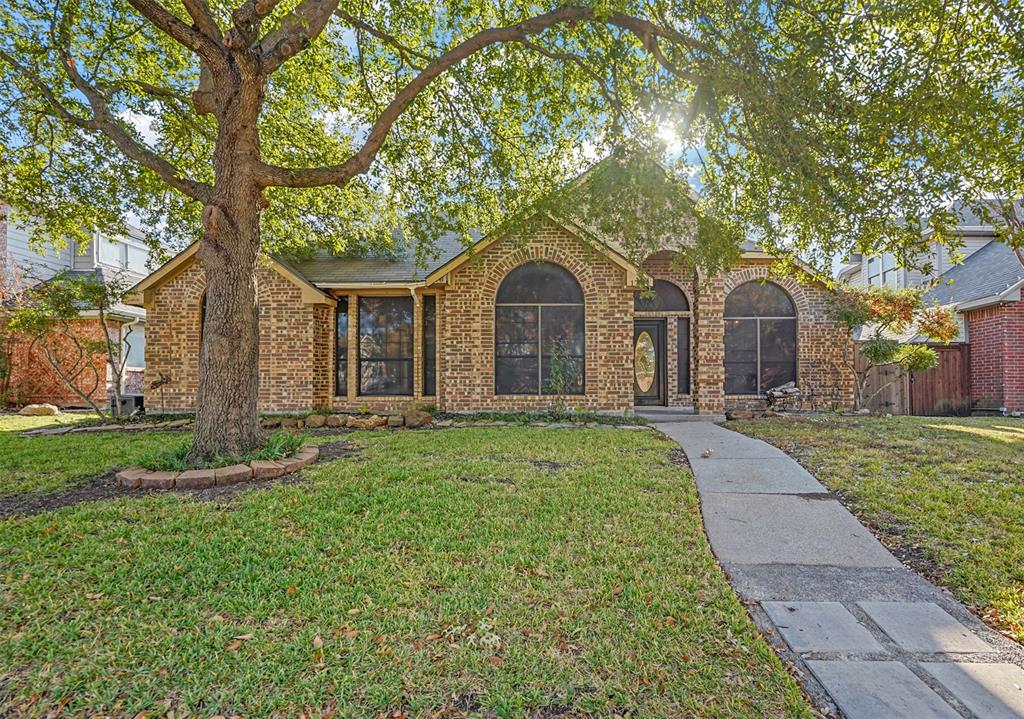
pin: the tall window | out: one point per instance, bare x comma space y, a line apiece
760, 338
429, 345
385, 345
683, 355
341, 348
663, 296
538, 332
882, 271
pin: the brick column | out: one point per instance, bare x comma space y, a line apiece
709, 335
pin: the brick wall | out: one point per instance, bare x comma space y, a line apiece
33, 379
996, 336
821, 365
298, 343
295, 339
466, 321
823, 346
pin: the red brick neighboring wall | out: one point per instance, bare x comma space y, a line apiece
292, 344
33, 380
466, 319
996, 336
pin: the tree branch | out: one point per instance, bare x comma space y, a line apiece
340, 174
176, 28
300, 27
103, 121
199, 11
246, 21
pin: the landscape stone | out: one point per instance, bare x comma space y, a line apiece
39, 410
291, 464
820, 627
265, 469
131, 477
365, 422
270, 423
396, 420
417, 418
335, 420
233, 474
195, 479
315, 421
442, 423
159, 480
880, 690
923, 627
993, 691
310, 449
292, 423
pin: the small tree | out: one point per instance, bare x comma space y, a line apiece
887, 318
49, 319
13, 286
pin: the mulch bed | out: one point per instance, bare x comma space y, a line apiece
105, 486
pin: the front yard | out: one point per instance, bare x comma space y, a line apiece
947, 495
502, 572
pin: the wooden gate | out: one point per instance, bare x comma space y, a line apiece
946, 388
886, 391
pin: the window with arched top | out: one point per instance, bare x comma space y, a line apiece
539, 331
662, 296
760, 338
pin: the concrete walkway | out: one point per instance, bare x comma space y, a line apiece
868, 635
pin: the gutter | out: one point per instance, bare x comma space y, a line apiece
1010, 294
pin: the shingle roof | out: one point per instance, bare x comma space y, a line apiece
329, 270
986, 272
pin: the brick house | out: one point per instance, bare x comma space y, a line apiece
984, 288
31, 378
506, 325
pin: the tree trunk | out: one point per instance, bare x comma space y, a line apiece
227, 419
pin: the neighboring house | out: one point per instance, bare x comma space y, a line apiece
508, 326
126, 258
986, 362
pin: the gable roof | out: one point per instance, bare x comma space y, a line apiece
990, 272
329, 270
141, 295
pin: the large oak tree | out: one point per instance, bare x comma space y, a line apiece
280, 125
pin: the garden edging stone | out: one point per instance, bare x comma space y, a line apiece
137, 477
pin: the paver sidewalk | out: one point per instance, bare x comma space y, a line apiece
869, 636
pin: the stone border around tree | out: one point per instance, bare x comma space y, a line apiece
257, 470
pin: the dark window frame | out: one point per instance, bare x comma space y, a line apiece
385, 358
654, 303
341, 355
683, 387
538, 340
429, 347
757, 319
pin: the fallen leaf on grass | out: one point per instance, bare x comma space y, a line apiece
495, 660
317, 642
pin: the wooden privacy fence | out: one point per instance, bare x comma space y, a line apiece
946, 388
942, 390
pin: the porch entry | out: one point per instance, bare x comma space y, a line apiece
649, 362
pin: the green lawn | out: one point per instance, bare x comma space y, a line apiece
51, 463
947, 492
503, 572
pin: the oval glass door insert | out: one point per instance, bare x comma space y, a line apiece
643, 361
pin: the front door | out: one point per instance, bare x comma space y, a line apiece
649, 362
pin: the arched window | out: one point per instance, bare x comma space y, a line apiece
666, 298
760, 338
538, 332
